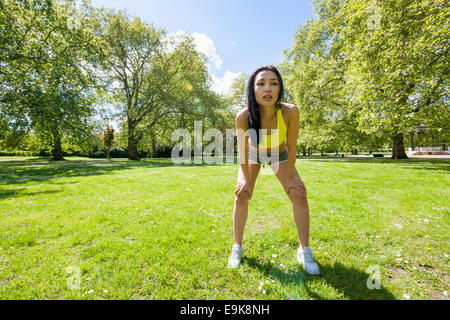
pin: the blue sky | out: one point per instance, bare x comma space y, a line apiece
237, 35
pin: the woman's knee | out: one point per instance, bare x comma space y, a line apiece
298, 194
242, 198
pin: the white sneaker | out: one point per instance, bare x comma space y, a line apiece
305, 257
236, 255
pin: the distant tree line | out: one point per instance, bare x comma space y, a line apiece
61, 63
369, 72
366, 75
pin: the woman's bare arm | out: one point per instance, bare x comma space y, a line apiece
292, 136
242, 139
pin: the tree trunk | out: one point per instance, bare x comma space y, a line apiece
132, 145
57, 148
109, 153
398, 148
412, 141
153, 147
132, 150
304, 151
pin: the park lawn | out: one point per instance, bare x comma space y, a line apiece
98, 229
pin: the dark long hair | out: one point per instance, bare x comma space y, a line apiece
254, 119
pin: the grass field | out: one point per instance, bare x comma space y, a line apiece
98, 229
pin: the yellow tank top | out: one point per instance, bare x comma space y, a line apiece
270, 141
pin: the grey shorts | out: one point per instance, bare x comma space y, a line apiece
262, 158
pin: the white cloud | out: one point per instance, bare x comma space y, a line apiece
206, 45
223, 85
202, 43
173, 39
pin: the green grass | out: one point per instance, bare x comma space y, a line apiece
97, 229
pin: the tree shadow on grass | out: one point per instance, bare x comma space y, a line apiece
44, 169
412, 163
351, 283
293, 279
15, 193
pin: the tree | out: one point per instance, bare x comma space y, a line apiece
48, 61
314, 73
398, 52
153, 75
179, 91
130, 46
156, 77
238, 92
381, 67
107, 139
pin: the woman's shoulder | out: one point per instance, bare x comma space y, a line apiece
289, 110
242, 114
242, 118
288, 107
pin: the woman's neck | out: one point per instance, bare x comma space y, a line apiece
267, 112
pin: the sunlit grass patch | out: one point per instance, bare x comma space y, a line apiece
99, 229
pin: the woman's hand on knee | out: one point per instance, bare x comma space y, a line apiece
295, 184
243, 187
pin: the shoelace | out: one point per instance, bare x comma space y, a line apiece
235, 253
308, 257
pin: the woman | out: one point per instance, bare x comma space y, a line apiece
276, 145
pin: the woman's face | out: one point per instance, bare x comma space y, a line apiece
267, 88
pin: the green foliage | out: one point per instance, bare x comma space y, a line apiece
48, 71
132, 233
238, 92
107, 139
363, 72
62, 61
160, 83
398, 69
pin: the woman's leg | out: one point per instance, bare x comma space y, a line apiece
240, 210
299, 202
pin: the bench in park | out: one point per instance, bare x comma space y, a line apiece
376, 155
